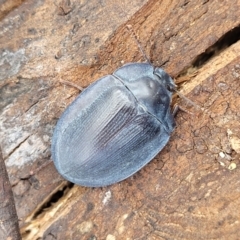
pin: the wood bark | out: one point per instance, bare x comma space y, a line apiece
191, 190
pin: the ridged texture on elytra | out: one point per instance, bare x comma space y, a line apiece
107, 134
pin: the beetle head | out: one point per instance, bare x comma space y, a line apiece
165, 79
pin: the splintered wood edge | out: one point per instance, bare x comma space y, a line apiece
39, 226
212, 67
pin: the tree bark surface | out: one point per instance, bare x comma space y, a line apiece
191, 190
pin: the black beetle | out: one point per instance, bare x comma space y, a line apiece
115, 126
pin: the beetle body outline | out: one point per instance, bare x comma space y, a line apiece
115, 126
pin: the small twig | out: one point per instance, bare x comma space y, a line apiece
9, 227
185, 78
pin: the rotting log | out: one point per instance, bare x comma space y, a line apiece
191, 189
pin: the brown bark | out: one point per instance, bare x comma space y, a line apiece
191, 189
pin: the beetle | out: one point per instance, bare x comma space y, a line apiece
115, 126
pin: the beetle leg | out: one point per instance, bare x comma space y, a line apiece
72, 85
176, 108
187, 100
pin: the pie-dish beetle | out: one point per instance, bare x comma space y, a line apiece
115, 126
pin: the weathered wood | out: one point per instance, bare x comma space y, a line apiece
191, 189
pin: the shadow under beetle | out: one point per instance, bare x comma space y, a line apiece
115, 126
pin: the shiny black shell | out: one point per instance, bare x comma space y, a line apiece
115, 126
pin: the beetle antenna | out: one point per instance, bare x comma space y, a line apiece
130, 29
